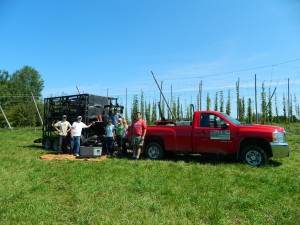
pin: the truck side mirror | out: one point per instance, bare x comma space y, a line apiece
224, 125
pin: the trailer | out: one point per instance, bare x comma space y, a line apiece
92, 108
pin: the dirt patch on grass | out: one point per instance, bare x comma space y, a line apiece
70, 157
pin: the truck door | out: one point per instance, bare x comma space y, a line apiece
209, 137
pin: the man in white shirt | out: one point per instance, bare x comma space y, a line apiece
77, 129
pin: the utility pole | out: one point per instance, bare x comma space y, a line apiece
5, 118
289, 119
161, 87
78, 90
38, 109
173, 117
171, 103
126, 105
256, 101
200, 94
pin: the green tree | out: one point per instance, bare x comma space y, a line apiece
22, 115
263, 105
27, 81
154, 113
178, 108
163, 108
216, 102
276, 110
135, 107
249, 111
297, 111
242, 110
148, 112
221, 102
270, 113
181, 112
291, 109
238, 102
174, 109
284, 109
208, 102
4, 89
142, 104
228, 105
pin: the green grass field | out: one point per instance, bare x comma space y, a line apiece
177, 190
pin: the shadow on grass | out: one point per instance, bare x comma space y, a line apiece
213, 159
34, 147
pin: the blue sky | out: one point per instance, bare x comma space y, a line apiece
107, 46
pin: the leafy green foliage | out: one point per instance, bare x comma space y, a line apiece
16, 96
228, 104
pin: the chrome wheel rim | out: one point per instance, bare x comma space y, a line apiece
253, 158
153, 152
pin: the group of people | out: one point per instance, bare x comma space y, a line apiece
119, 132
63, 127
115, 130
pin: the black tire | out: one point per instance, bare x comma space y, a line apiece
47, 143
154, 151
254, 155
55, 144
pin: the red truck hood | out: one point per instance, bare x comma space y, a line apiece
263, 127
258, 130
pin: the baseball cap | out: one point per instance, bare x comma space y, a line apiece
64, 116
79, 117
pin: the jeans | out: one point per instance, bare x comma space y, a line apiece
124, 147
62, 141
109, 145
75, 141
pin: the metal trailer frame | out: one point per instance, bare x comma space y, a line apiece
86, 105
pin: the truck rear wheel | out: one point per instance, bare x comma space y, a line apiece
254, 156
154, 151
47, 143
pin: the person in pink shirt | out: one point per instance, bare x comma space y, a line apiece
138, 129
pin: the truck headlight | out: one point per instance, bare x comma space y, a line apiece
278, 136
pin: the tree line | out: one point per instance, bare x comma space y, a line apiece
16, 99
268, 114
17, 91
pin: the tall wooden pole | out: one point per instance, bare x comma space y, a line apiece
126, 105
37, 109
5, 118
256, 114
289, 119
173, 117
200, 96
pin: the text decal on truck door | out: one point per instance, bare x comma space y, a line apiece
220, 134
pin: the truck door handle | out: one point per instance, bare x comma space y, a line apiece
202, 132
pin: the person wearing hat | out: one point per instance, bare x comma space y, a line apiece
115, 117
77, 127
62, 127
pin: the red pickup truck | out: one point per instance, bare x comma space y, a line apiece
218, 133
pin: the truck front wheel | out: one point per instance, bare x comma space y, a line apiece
154, 151
254, 156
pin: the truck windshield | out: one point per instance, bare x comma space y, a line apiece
234, 121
